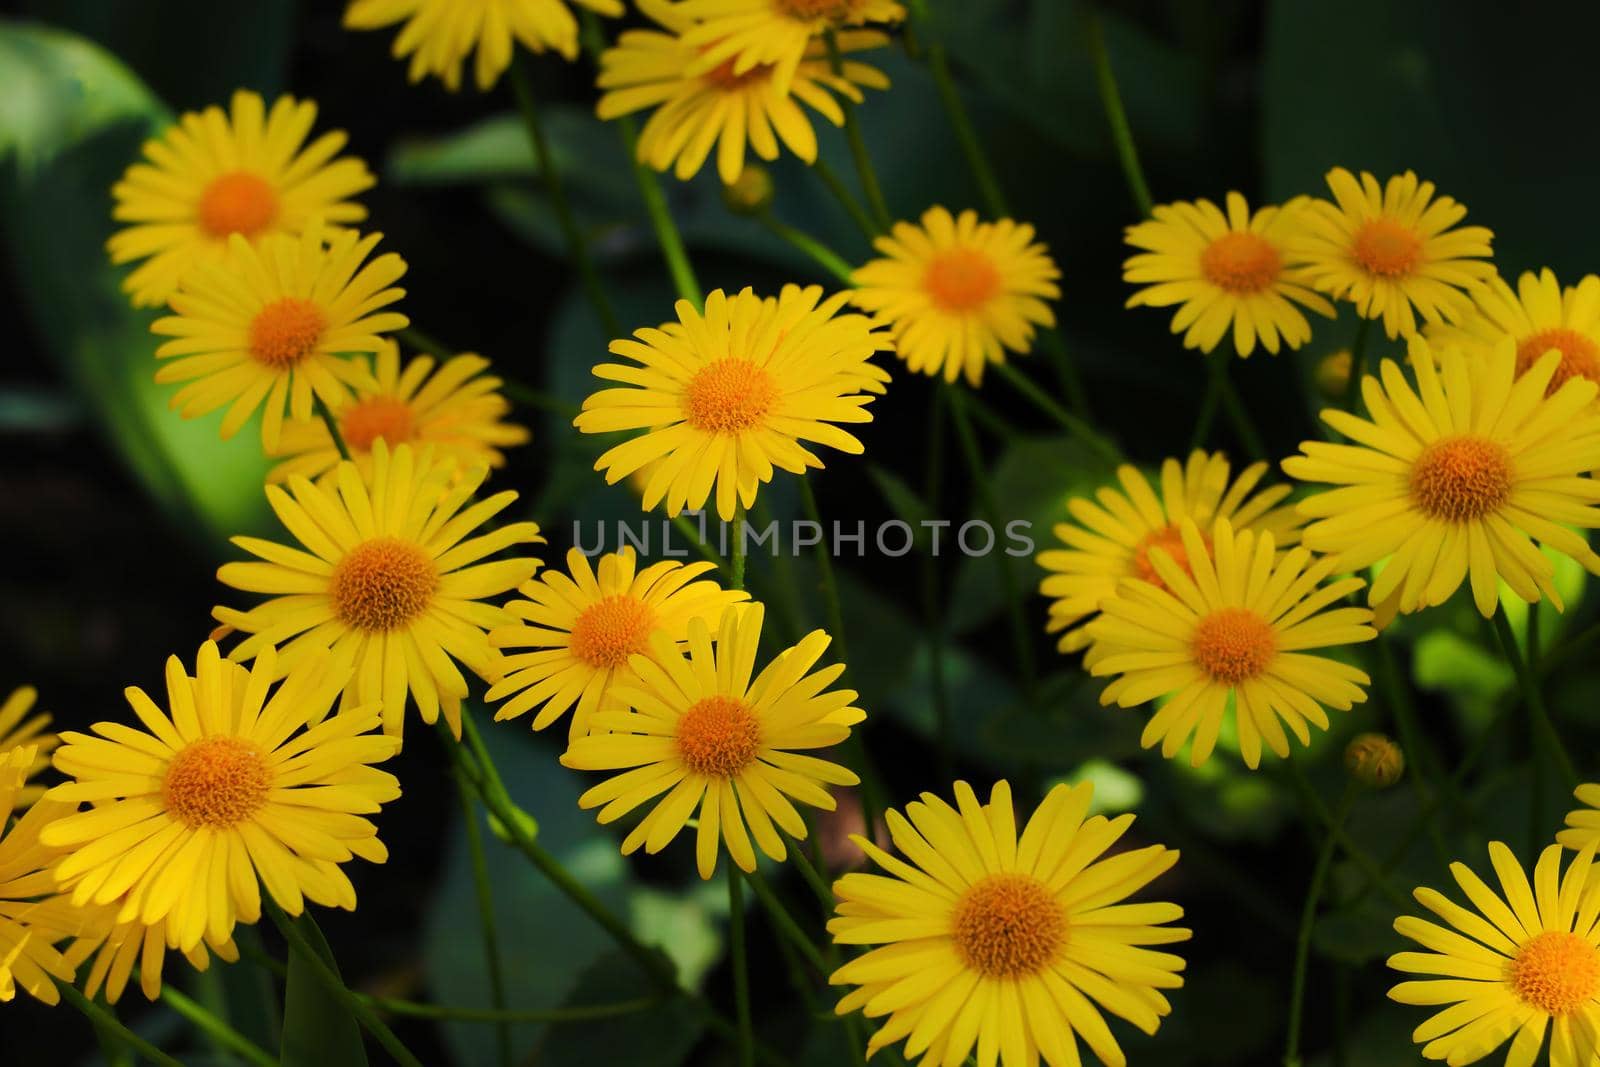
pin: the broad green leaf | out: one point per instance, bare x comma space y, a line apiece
317, 1029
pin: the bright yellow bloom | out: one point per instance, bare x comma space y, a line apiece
1391, 249
1227, 271
1456, 478
234, 784
698, 729
1015, 944
438, 35
697, 110
118, 948
1540, 316
584, 629
1516, 964
457, 411
745, 34
959, 293
727, 395
33, 915
1235, 628
212, 175
1583, 825
276, 324
17, 730
1113, 534
388, 574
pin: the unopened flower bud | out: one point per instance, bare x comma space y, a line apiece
751, 192
1374, 760
1333, 374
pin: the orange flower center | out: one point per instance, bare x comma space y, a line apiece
383, 584
610, 631
1169, 540
718, 737
729, 396
1580, 356
1558, 973
960, 279
1008, 926
1240, 263
1233, 645
217, 782
1461, 478
286, 331
1384, 246
381, 416
722, 76
237, 202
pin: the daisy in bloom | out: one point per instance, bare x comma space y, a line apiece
1236, 627
275, 325
457, 409
1583, 825
1511, 967
119, 947
584, 628
774, 33
697, 109
1393, 251
215, 174
33, 915
958, 293
1017, 944
18, 728
1111, 536
721, 747
438, 35
1226, 271
231, 784
727, 395
388, 572
1456, 478
1540, 316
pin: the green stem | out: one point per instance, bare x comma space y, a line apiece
1217, 373
1308, 918
425, 343
655, 205
577, 245
736, 565
813, 878
785, 924
858, 144
484, 891
1074, 426
1423, 776
787, 589
332, 424
1358, 367
537, 399
1121, 135
1243, 425
1376, 876
932, 606
1534, 698
994, 200
220, 1032
572, 1014
825, 257
847, 200
741, 971
105, 1021
1066, 370
681, 523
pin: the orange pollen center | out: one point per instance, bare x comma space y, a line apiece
1580, 356
718, 737
1008, 926
380, 416
729, 396
1233, 645
1461, 478
1170, 541
286, 331
1240, 263
960, 279
217, 782
608, 632
237, 202
383, 584
1557, 973
1384, 246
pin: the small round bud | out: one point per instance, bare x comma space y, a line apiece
1333, 374
751, 192
1374, 760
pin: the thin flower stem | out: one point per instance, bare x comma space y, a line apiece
932, 606
577, 244
1308, 918
1074, 426
1217, 374
741, 970
537, 399
813, 878
825, 257
214, 1028
736, 567
333, 425
1543, 727
783, 571
1358, 367
105, 1021
1243, 425
425, 343
1121, 135
335, 986
1423, 777
681, 523
1066, 370
858, 144
571, 1014
484, 891
655, 205
784, 923
994, 199
847, 200
1377, 877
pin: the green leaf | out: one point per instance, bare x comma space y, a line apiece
661, 1036
317, 1029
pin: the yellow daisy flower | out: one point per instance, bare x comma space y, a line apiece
33, 915
458, 411
1455, 479
698, 729
1515, 965
1583, 825
1227, 271
727, 395
1235, 628
584, 628
213, 175
958, 293
1391, 249
1017, 944
1113, 534
772, 33
1540, 316
438, 35
234, 785
119, 947
18, 729
388, 573
696, 109
275, 325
